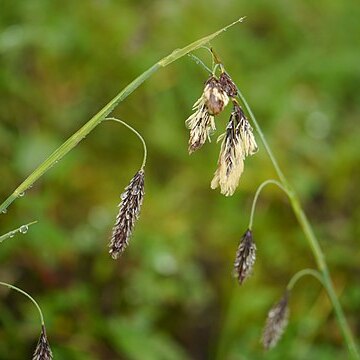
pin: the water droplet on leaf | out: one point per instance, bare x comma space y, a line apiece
24, 229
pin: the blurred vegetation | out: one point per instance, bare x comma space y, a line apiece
171, 296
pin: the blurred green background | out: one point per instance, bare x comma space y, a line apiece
171, 295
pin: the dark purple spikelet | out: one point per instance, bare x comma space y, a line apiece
245, 257
276, 322
42, 351
130, 205
228, 85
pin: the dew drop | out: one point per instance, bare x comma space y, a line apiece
4, 211
12, 234
22, 194
24, 229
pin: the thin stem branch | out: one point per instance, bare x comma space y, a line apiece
296, 277
258, 191
199, 62
136, 133
311, 238
28, 296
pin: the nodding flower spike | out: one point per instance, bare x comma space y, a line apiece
130, 205
238, 142
276, 322
201, 123
245, 257
42, 351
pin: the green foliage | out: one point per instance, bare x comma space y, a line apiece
167, 297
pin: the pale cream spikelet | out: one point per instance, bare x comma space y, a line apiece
247, 137
201, 123
238, 142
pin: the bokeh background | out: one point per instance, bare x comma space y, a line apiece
171, 295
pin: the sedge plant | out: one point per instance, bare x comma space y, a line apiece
238, 142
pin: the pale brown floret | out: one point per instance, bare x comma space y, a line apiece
238, 142
201, 123
215, 97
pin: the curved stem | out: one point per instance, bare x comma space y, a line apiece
28, 296
199, 62
136, 133
296, 277
258, 191
311, 238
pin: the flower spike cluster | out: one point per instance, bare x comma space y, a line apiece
238, 141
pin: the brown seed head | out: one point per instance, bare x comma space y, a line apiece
215, 97
245, 257
42, 351
276, 322
130, 205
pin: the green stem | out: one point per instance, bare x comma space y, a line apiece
296, 277
136, 133
200, 62
258, 191
311, 238
28, 296
68, 145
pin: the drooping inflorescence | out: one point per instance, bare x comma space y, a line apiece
130, 205
238, 141
201, 123
42, 350
245, 257
276, 322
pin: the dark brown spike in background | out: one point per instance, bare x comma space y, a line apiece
42, 351
276, 322
130, 205
245, 257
